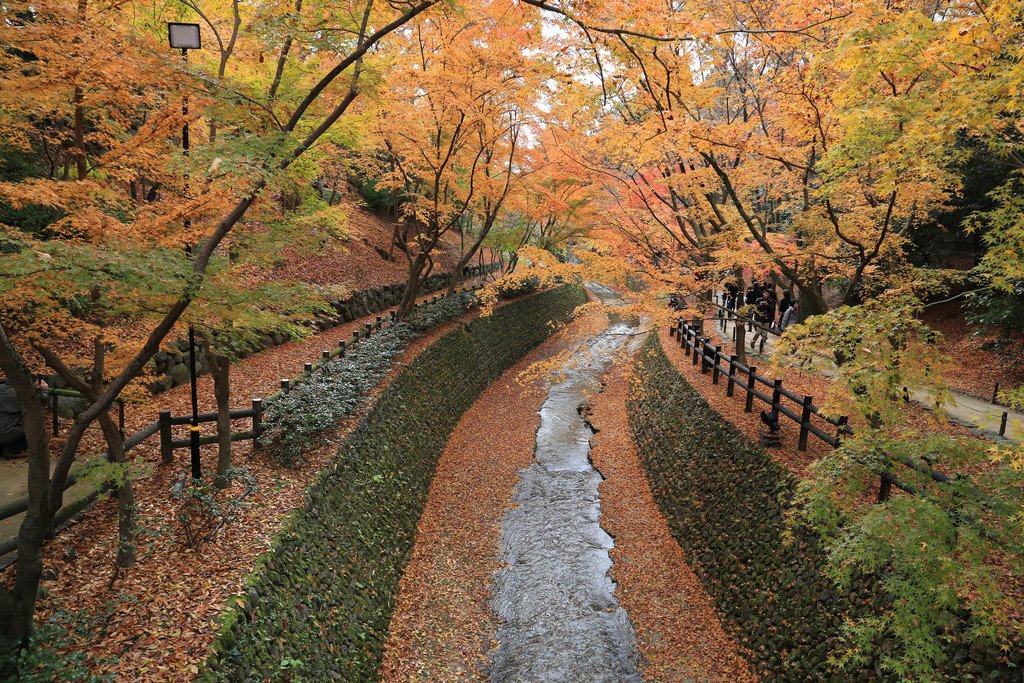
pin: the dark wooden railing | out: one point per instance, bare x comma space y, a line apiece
801, 408
804, 412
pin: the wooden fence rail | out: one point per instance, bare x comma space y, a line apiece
804, 413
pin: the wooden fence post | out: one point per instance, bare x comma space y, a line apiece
714, 367
1002, 424
326, 355
307, 368
286, 385
54, 400
166, 451
884, 488
732, 375
257, 419
776, 394
341, 348
805, 421
749, 406
697, 341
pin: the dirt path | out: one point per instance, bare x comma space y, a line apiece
978, 414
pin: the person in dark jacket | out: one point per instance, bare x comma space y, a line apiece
784, 303
732, 293
763, 316
773, 301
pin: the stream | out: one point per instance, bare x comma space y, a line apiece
562, 621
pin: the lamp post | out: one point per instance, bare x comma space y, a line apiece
187, 37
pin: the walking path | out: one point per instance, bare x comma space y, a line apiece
980, 415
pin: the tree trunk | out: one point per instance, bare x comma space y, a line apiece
221, 369
18, 601
739, 326
81, 165
412, 287
126, 522
811, 301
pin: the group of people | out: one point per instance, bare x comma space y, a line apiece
771, 313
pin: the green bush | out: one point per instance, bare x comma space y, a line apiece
323, 596
726, 503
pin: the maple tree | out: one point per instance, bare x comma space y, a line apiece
664, 148
95, 287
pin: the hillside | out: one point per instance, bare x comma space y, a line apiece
364, 260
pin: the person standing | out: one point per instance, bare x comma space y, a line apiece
791, 316
784, 303
750, 298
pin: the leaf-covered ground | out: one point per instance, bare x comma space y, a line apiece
444, 628
982, 356
679, 632
158, 618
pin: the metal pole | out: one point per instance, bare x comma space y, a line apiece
197, 468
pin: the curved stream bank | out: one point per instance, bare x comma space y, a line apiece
562, 621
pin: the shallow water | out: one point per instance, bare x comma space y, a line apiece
562, 622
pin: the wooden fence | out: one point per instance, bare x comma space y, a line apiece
803, 410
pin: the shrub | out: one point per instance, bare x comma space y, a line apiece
324, 595
511, 286
450, 307
295, 419
206, 509
54, 652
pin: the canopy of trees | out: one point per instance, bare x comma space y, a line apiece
664, 146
